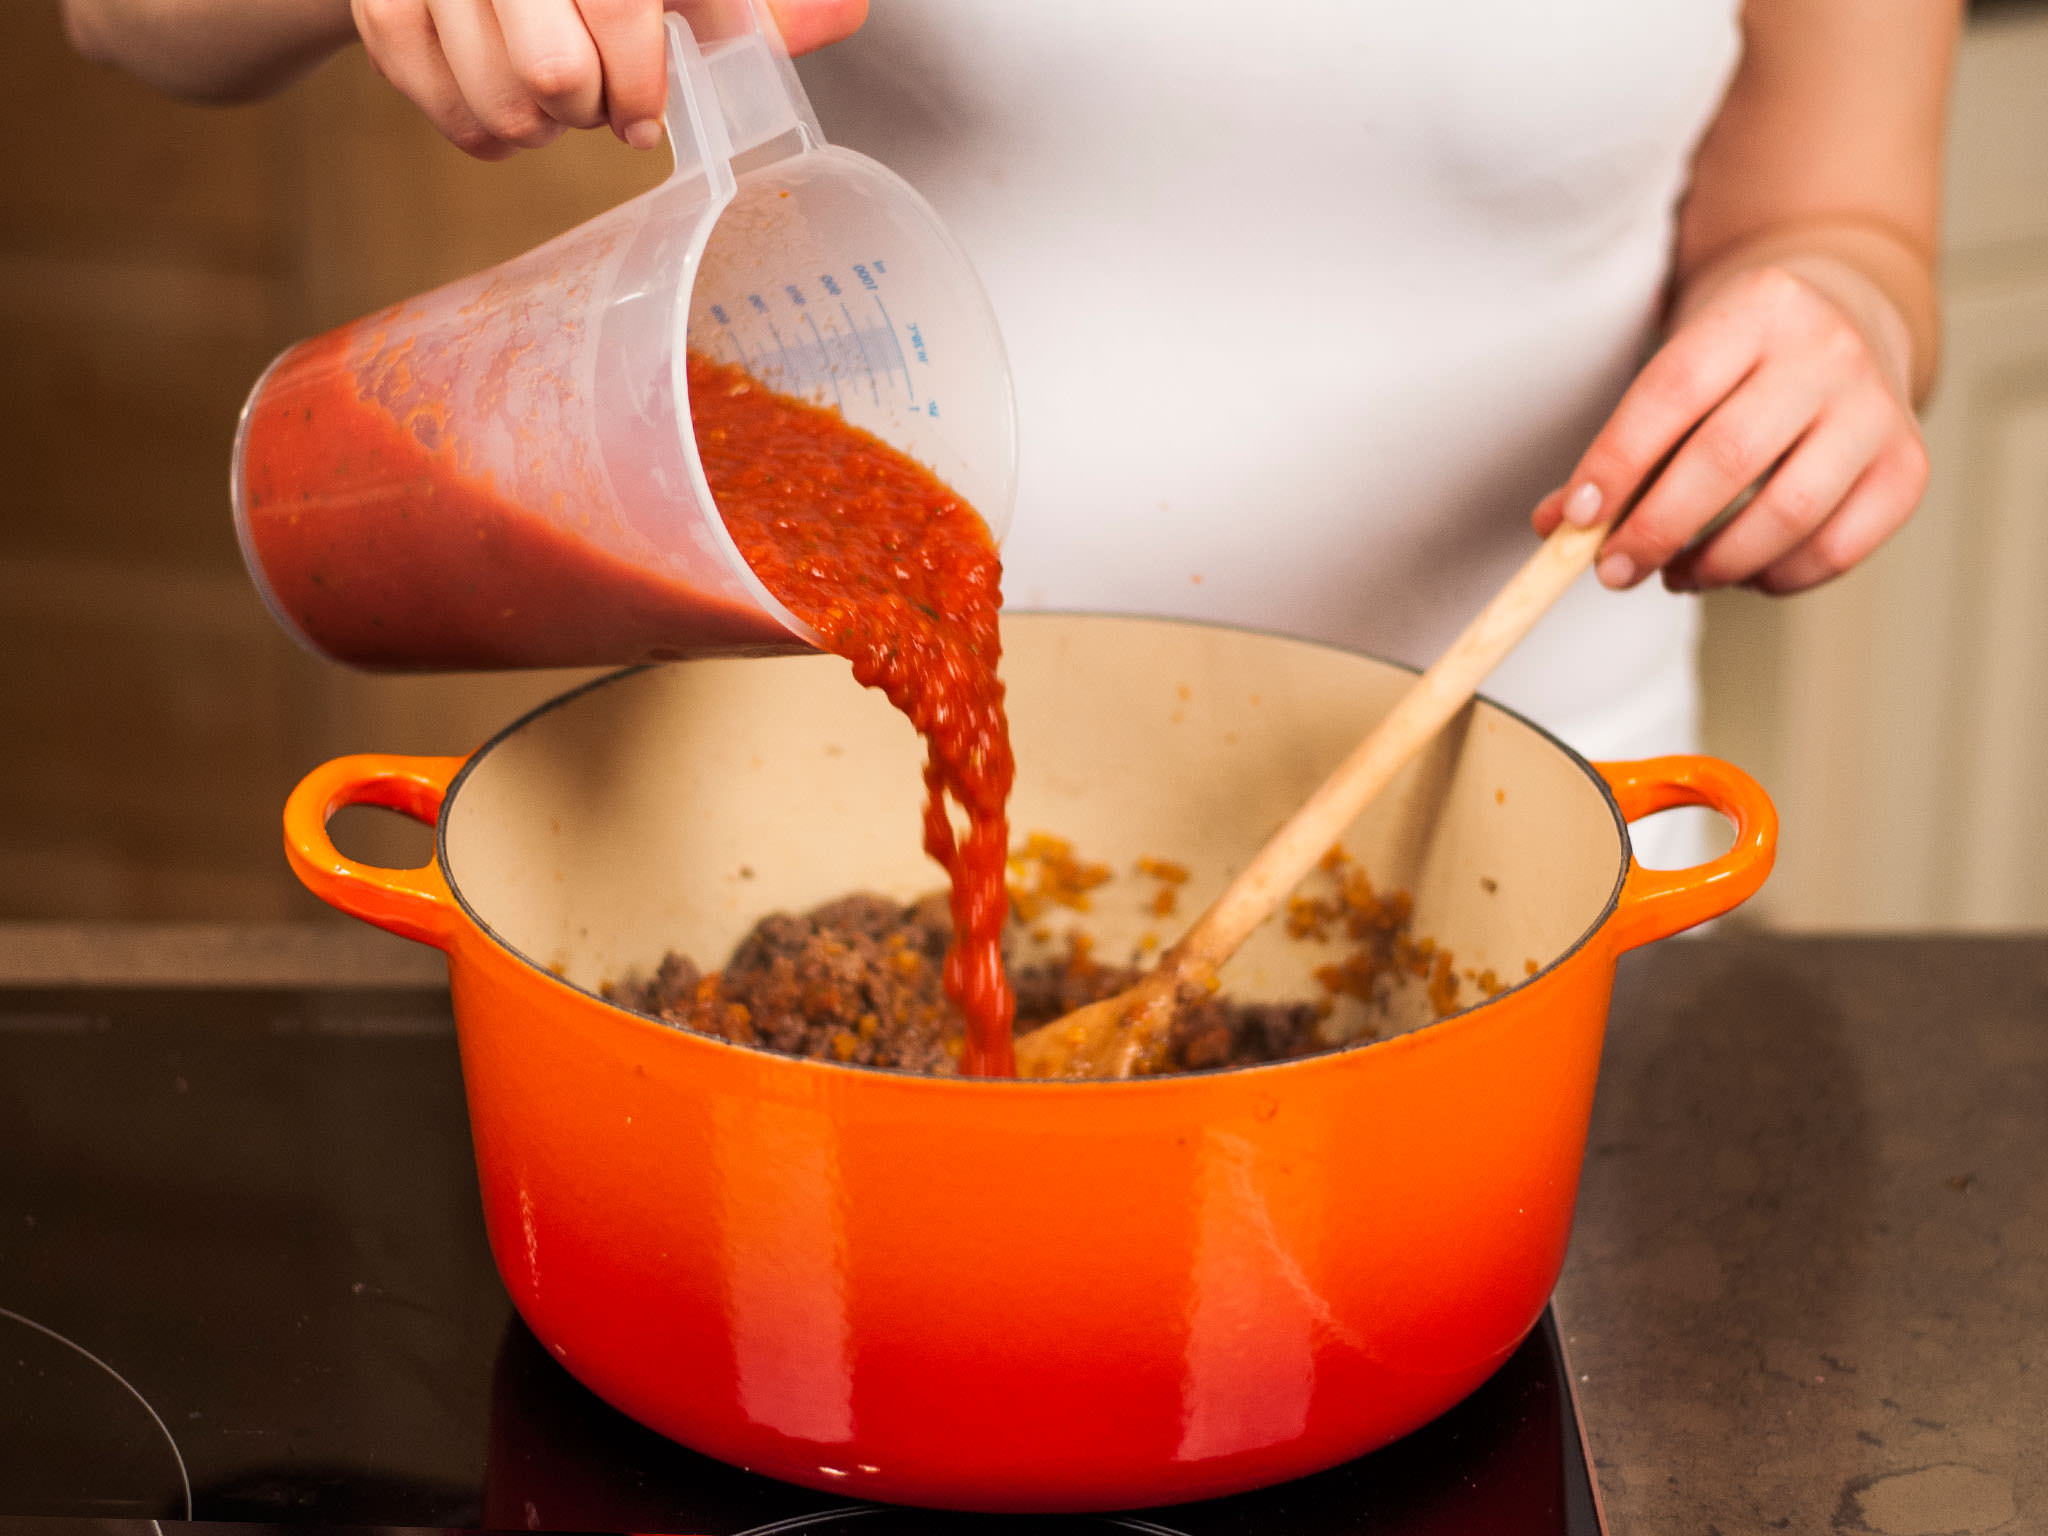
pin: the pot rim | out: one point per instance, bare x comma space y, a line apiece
1153, 1082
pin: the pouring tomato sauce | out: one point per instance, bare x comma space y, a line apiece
898, 575
889, 567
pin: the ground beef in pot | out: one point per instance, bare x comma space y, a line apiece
858, 980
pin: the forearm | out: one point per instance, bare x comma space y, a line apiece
1825, 159
1882, 279
210, 50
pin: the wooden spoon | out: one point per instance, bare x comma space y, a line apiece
1127, 1033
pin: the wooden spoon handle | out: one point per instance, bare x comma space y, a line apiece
1437, 695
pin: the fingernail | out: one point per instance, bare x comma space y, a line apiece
1616, 570
1582, 507
644, 134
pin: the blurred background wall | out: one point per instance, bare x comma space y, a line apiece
1900, 715
153, 257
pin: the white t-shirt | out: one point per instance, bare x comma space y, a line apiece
1309, 305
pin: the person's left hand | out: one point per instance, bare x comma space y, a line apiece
1783, 387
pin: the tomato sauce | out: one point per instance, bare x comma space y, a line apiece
388, 554
897, 574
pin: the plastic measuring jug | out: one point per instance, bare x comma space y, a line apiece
502, 473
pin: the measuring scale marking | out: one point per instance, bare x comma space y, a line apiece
837, 399
814, 369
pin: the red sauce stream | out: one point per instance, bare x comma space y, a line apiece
897, 574
388, 555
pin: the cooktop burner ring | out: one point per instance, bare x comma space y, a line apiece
170, 1440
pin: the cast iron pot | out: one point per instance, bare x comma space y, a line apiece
1021, 1295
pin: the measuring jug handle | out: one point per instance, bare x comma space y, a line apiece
731, 90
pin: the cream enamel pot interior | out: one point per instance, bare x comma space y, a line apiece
1021, 1295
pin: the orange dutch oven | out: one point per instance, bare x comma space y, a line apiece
1009, 1295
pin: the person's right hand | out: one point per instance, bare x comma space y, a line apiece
496, 76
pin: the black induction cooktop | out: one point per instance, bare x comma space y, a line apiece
243, 1279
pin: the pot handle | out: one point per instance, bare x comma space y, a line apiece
1656, 903
413, 903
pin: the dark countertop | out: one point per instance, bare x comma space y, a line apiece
1808, 1288
1808, 1285
1979, 10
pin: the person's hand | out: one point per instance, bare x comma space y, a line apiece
1796, 391
497, 76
